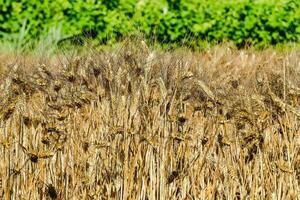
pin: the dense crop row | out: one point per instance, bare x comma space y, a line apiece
256, 22
136, 123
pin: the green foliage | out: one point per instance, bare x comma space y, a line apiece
256, 22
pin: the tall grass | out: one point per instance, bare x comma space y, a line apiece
44, 44
138, 123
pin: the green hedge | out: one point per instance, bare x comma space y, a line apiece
256, 22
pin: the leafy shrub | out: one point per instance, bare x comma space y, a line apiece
256, 22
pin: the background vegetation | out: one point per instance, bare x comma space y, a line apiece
256, 22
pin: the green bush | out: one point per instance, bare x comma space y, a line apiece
255, 22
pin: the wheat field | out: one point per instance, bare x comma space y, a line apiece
139, 123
